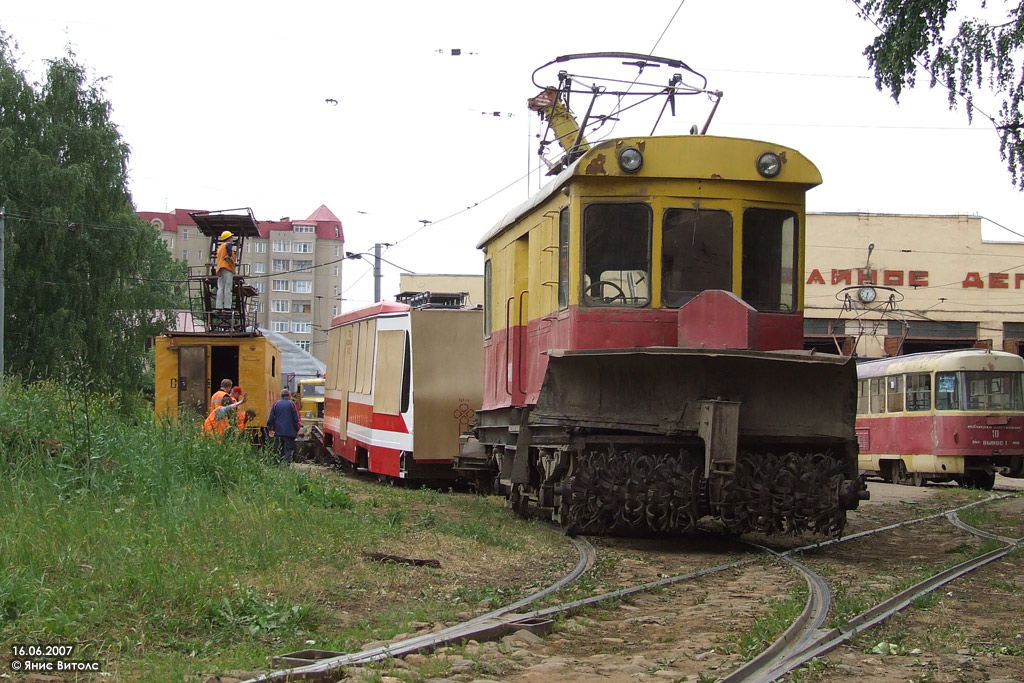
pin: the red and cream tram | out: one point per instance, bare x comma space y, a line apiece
943, 415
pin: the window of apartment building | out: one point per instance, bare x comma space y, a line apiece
258, 286
279, 285
282, 246
184, 255
279, 305
302, 326
279, 325
259, 307
303, 344
199, 255
170, 242
303, 287
302, 306
334, 310
302, 247
335, 290
280, 264
259, 267
184, 233
336, 270
303, 265
303, 228
337, 251
157, 223
261, 247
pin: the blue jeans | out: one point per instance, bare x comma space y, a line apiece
285, 447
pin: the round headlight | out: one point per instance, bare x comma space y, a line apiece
769, 164
630, 160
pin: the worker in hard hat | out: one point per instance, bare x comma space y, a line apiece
227, 265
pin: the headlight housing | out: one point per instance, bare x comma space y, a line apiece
769, 164
630, 160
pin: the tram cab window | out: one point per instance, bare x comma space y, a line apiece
617, 255
696, 254
563, 259
770, 259
993, 390
919, 392
894, 391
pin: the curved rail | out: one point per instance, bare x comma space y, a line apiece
796, 646
490, 622
880, 612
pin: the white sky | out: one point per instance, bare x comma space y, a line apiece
223, 105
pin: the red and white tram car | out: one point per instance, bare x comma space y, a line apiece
943, 415
402, 385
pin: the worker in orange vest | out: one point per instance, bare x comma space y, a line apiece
243, 418
217, 421
225, 389
227, 264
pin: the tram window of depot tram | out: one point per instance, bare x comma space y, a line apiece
947, 391
876, 395
919, 392
993, 390
696, 254
770, 259
617, 255
894, 391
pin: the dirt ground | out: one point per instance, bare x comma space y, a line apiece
970, 630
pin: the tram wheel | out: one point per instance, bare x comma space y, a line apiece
981, 480
900, 475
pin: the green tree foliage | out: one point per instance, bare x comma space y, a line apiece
963, 53
87, 281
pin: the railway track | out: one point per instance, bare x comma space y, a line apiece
802, 641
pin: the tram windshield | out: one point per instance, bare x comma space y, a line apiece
979, 390
696, 254
770, 259
617, 255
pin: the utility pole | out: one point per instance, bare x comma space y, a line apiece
376, 272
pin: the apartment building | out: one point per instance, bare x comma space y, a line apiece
295, 265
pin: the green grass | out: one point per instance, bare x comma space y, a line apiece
162, 553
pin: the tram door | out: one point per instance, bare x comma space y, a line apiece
192, 379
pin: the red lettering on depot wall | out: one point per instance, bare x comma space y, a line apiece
917, 278
842, 276
893, 278
998, 281
867, 277
815, 278
973, 280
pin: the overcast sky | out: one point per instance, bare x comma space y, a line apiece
224, 105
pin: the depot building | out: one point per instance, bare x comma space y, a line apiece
884, 284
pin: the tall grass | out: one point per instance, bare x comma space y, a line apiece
162, 552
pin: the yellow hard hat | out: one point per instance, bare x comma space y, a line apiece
226, 235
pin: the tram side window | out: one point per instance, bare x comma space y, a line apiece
563, 259
487, 299
862, 397
770, 259
696, 254
876, 395
947, 391
919, 392
894, 389
617, 255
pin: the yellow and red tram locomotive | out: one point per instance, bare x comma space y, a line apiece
642, 326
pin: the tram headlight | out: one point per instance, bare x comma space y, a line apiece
769, 164
630, 160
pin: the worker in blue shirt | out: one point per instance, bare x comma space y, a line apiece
283, 426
